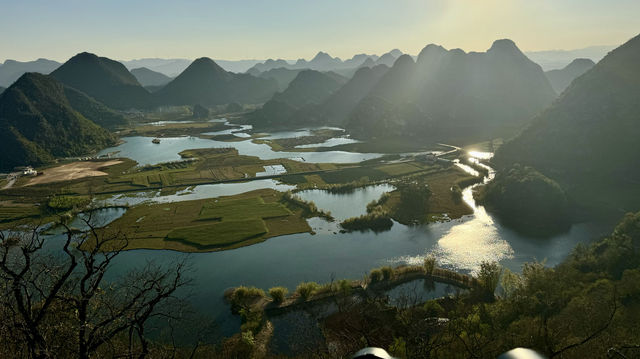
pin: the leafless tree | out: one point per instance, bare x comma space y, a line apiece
55, 301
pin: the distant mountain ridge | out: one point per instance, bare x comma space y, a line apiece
38, 122
11, 70
446, 90
106, 80
322, 61
557, 59
281, 75
173, 67
167, 67
205, 82
148, 77
562, 78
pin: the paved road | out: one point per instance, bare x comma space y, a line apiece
11, 179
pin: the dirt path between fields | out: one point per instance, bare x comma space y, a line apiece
72, 171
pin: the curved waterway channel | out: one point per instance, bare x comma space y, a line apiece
460, 244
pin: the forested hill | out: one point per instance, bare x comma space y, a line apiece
105, 80
588, 139
38, 122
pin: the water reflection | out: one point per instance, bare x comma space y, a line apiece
196, 192
336, 141
142, 150
272, 170
302, 132
345, 205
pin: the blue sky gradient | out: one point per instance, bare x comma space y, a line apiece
291, 29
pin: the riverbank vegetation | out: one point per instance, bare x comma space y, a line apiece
421, 198
375, 221
382, 278
309, 209
527, 201
428, 198
317, 136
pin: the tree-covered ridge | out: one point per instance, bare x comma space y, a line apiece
94, 110
106, 80
588, 139
38, 122
527, 200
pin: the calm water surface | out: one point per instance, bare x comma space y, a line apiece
460, 244
142, 150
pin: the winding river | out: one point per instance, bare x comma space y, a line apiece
460, 244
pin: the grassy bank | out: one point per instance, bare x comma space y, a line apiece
212, 224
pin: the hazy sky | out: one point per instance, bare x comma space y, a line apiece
290, 29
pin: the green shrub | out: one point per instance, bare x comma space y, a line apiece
248, 339
278, 294
375, 205
387, 272
429, 265
376, 275
60, 203
251, 320
307, 289
377, 221
343, 286
242, 294
433, 309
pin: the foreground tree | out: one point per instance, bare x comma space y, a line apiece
55, 301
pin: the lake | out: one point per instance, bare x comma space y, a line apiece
461, 244
143, 151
